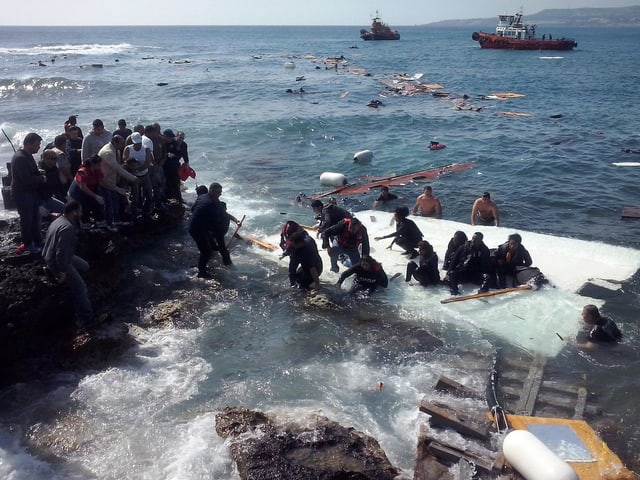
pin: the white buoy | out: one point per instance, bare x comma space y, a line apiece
364, 156
331, 179
289, 65
533, 459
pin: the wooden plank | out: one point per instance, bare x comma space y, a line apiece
450, 453
446, 417
262, 243
486, 294
631, 212
530, 387
581, 403
448, 385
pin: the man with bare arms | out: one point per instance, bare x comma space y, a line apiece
427, 205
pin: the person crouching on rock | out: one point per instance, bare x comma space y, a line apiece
369, 276
59, 257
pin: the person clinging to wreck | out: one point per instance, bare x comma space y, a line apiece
511, 256
305, 263
407, 234
485, 211
427, 205
384, 197
425, 270
603, 330
369, 276
349, 237
471, 263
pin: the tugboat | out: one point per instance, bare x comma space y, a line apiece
512, 34
379, 31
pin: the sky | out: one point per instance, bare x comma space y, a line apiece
275, 12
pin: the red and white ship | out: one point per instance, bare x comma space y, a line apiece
512, 34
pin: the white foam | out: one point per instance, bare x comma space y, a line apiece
533, 320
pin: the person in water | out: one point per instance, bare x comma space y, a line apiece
427, 205
384, 197
603, 331
369, 276
425, 271
485, 211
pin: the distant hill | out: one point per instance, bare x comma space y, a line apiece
566, 17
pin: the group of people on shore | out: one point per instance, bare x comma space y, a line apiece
98, 180
117, 177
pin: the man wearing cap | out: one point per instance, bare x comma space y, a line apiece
485, 211
137, 160
171, 165
97, 138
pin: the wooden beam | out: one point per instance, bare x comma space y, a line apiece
446, 417
448, 385
486, 294
527, 402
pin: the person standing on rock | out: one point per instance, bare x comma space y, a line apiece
26, 179
209, 224
61, 261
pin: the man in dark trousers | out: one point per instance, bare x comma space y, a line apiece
350, 236
64, 265
471, 263
26, 180
328, 215
510, 256
407, 234
209, 224
305, 264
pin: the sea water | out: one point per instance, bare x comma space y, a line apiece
253, 343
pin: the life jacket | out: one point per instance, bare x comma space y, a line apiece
346, 238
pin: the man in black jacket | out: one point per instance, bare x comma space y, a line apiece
471, 263
210, 217
350, 236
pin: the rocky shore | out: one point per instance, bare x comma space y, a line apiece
37, 332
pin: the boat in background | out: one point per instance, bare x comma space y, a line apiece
379, 31
512, 34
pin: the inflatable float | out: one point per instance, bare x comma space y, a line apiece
364, 156
332, 179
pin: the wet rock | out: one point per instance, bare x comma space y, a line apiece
36, 318
265, 447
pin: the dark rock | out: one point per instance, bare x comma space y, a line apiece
36, 318
264, 447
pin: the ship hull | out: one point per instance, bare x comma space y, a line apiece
487, 40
